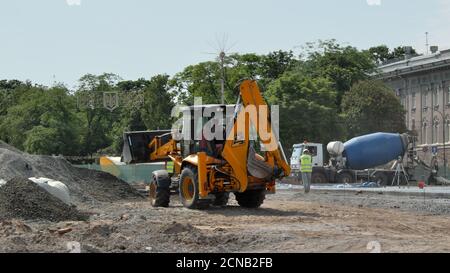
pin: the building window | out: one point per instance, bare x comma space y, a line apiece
448, 94
435, 95
407, 119
413, 125
425, 100
403, 102
435, 130
413, 100
424, 132
447, 128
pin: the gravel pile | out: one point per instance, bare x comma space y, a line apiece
21, 198
84, 185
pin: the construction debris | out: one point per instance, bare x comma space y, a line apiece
84, 185
64, 231
442, 181
55, 188
21, 198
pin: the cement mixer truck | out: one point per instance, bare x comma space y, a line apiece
357, 159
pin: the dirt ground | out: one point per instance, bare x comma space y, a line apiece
289, 221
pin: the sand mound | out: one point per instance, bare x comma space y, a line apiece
84, 185
21, 198
175, 228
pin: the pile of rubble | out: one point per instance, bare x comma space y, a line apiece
21, 198
84, 185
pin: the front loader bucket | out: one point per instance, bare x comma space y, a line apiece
135, 145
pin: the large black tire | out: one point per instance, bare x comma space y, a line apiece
188, 190
344, 178
318, 178
221, 199
159, 194
251, 198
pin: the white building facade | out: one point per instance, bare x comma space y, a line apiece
423, 85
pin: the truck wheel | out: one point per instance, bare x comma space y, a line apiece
250, 198
344, 178
381, 179
159, 192
221, 199
188, 188
318, 178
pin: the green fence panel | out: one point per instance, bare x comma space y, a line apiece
135, 173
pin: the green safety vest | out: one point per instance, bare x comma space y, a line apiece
170, 167
306, 164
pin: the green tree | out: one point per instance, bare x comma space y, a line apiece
370, 107
200, 80
43, 122
307, 109
158, 105
97, 120
382, 53
203, 79
130, 113
264, 68
342, 65
147, 107
275, 64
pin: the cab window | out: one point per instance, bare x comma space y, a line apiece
312, 151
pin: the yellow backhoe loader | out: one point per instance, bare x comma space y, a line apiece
204, 171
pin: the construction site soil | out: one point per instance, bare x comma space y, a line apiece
111, 216
289, 221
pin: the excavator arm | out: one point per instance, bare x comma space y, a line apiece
237, 151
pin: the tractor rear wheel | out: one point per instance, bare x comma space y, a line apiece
189, 192
250, 198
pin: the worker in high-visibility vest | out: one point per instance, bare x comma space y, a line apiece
306, 169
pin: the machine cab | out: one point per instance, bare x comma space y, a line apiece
316, 150
195, 118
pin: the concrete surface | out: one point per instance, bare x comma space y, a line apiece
431, 191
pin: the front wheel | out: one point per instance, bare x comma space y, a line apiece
345, 178
189, 192
159, 194
318, 178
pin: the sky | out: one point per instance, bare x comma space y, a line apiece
61, 40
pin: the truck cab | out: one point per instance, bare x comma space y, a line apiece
316, 151
321, 173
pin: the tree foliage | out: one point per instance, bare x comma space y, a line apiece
323, 94
342, 65
370, 107
382, 53
43, 122
307, 108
